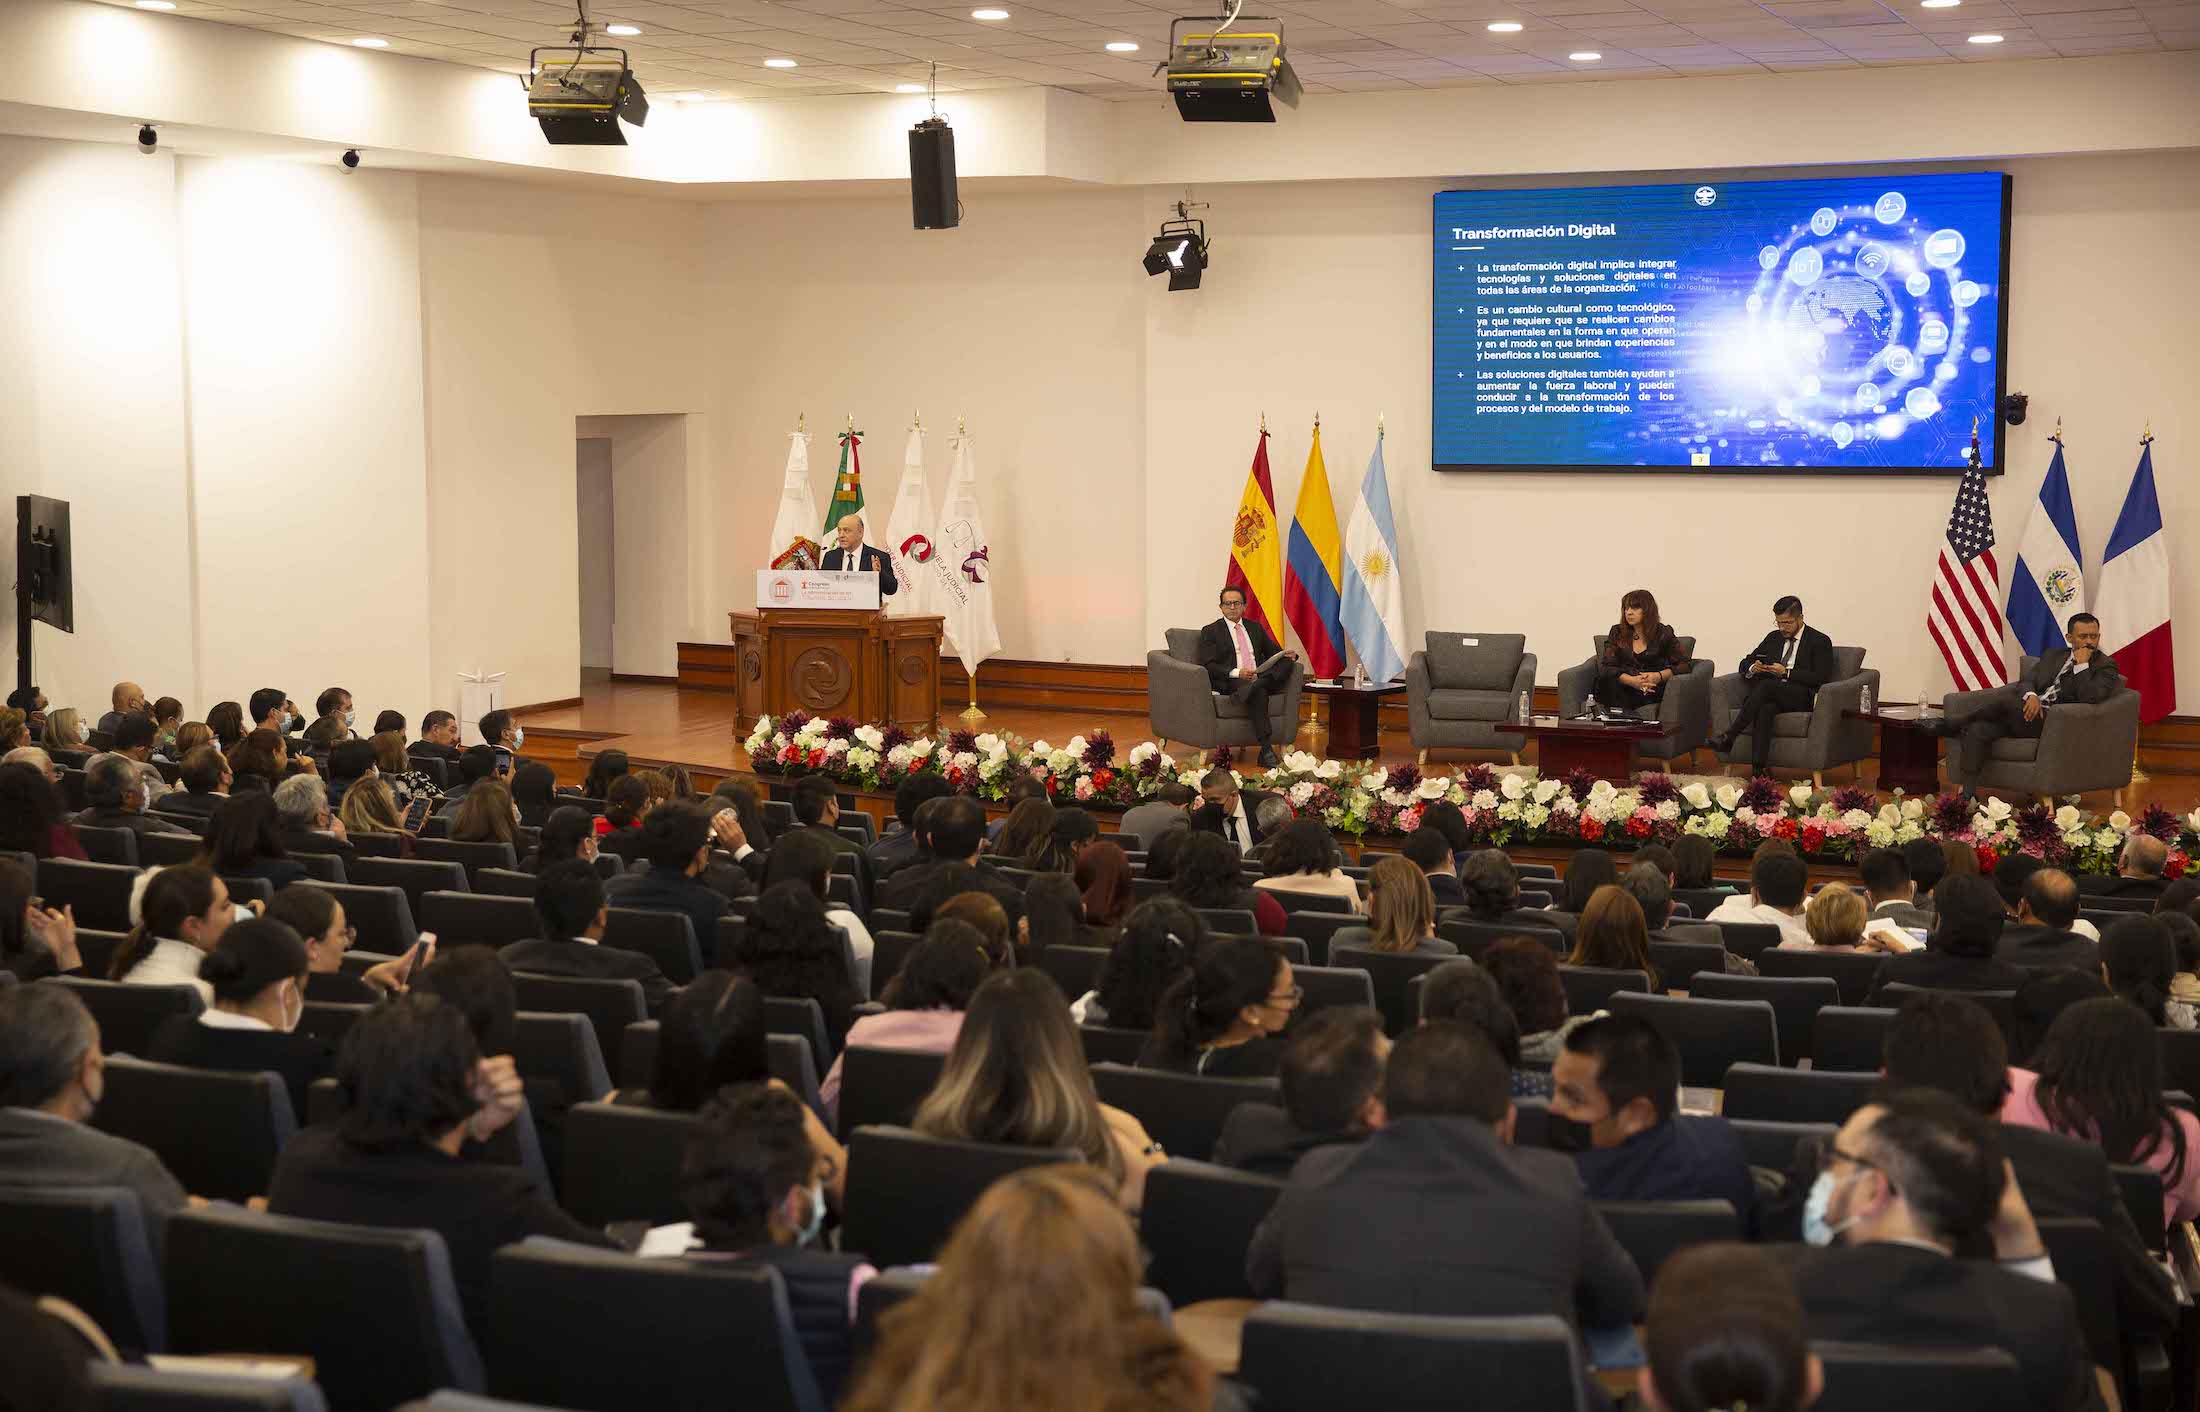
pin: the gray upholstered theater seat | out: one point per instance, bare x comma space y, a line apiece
1183, 706
1463, 688
2080, 748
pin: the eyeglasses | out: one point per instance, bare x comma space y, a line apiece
351, 934
1287, 999
1830, 1154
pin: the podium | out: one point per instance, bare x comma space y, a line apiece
854, 662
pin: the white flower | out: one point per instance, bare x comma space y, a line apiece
899, 756
1547, 790
1062, 762
870, 737
812, 730
1434, 788
1330, 769
1997, 809
1302, 791
2109, 839
2075, 837
1910, 832
1880, 834
1510, 810
2067, 817
1981, 825
1626, 802
1513, 787
1728, 796
1913, 808
992, 744
1040, 747
1800, 796
1669, 809
964, 760
1602, 789
2120, 821
1076, 745
1372, 781
1745, 815
1565, 804
1535, 816
1857, 819
922, 747
1141, 752
2192, 822
1299, 762
1487, 799
862, 758
1598, 809
1696, 796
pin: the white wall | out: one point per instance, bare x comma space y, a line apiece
599, 580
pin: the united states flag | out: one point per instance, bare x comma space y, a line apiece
1963, 617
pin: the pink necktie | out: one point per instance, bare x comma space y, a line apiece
1244, 646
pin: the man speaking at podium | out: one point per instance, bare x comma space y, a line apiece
856, 557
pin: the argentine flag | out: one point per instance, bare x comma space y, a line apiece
2049, 583
1374, 614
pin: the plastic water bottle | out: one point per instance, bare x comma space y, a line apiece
1864, 702
1524, 706
1590, 709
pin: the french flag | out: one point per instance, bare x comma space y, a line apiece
2049, 583
2133, 603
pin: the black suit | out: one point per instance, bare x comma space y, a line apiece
2099, 885
922, 886
2005, 716
434, 750
1261, 1138
1218, 654
1769, 695
1448, 890
1917, 1298
111, 816
589, 962
2062, 1176
1937, 970
298, 1059
842, 844
1437, 1216
2037, 946
868, 560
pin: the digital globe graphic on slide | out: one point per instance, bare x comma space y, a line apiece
1848, 324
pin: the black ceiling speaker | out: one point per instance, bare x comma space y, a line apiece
933, 204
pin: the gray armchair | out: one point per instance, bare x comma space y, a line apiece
1812, 741
2079, 749
1684, 714
1463, 688
1182, 706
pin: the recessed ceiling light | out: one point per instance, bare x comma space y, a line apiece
156, 4
1941, 4
623, 31
1986, 39
779, 63
908, 88
369, 42
989, 14
1506, 27
1122, 46
1585, 56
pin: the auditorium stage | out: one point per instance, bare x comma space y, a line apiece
666, 724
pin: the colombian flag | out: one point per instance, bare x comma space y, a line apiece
1256, 555
1310, 593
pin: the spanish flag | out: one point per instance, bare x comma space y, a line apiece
1256, 551
1310, 593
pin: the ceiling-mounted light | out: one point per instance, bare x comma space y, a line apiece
989, 14
623, 31
1122, 46
368, 41
156, 4
908, 88
1986, 39
779, 64
1179, 249
1585, 56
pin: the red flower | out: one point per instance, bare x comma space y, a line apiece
1638, 827
1813, 838
1786, 829
817, 757
1591, 829
1989, 858
2177, 864
787, 755
955, 775
1102, 778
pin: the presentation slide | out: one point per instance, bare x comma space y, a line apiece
1833, 325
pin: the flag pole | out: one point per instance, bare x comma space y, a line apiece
971, 715
2138, 773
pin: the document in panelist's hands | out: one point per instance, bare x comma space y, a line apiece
1272, 660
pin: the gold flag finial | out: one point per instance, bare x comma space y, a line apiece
851, 424
962, 426
1317, 421
1264, 423
2146, 433
802, 423
1378, 426
2057, 437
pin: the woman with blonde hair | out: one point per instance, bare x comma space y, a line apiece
369, 807
1017, 1075
1071, 1339
1613, 935
65, 730
1836, 916
1401, 913
190, 736
486, 815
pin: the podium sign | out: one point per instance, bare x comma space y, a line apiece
815, 588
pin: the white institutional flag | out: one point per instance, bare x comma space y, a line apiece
909, 534
961, 568
797, 506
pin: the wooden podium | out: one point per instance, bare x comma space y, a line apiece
855, 662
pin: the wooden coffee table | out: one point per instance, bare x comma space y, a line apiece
1909, 759
1605, 749
1354, 715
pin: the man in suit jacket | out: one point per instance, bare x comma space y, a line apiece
2078, 675
1960, 954
1891, 891
1232, 811
438, 738
1951, 1044
572, 909
1654, 894
1232, 649
52, 1075
1784, 674
955, 828
2043, 934
1438, 1213
854, 556
1908, 1180
1155, 817
1428, 850
1332, 1074
2138, 871
817, 811
116, 793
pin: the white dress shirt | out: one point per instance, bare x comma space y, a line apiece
1739, 908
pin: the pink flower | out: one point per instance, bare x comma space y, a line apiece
1084, 786
1764, 824
1409, 820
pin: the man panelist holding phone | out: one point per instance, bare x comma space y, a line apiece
854, 556
1784, 674
2078, 675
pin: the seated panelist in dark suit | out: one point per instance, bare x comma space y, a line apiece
1784, 674
2078, 675
1232, 648
1641, 654
854, 556
1908, 1180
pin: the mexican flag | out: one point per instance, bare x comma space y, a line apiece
847, 483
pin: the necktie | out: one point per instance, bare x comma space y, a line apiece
2054, 688
1787, 653
1244, 838
1244, 646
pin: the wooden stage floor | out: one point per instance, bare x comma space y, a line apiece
664, 724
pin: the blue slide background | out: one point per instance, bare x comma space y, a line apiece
1836, 324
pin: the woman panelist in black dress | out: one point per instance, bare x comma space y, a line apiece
1640, 655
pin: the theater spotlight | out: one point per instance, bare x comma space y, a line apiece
1179, 250
1221, 75
581, 94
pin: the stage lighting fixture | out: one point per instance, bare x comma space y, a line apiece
350, 159
1179, 250
1217, 75
580, 94
148, 139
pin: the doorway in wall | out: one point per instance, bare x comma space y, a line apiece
593, 511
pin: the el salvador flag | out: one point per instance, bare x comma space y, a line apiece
1374, 599
2049, 583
